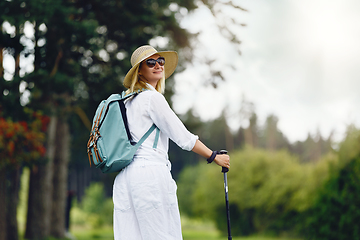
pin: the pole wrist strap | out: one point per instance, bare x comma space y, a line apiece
212, 157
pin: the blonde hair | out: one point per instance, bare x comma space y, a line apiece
137, 84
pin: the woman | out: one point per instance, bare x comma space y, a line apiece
144, 193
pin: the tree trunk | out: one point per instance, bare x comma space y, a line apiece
1, 68
249, 137
12, 203
40, 189
62, 154
3, 203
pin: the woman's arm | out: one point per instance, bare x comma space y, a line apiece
168, 122
220, 159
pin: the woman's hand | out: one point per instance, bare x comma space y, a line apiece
222, 160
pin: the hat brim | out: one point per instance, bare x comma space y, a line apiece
171, 61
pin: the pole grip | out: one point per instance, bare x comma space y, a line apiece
224, 169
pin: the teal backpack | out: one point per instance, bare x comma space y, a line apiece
110, 146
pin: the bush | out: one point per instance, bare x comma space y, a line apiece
95, 209
269, 192
186, 188
336, 213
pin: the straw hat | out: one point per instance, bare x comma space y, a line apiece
143, 52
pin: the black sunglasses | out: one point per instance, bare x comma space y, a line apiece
152, 62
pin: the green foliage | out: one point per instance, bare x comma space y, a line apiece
349, 148
96, 207
186, 188
268, 191
336, 213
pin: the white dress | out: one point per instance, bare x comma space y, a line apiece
144, 193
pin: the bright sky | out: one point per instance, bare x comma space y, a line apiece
300, 61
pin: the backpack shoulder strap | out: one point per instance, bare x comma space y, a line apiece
147, 134
123, 97
120, 97
156, 137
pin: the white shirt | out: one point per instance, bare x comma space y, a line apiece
148, 108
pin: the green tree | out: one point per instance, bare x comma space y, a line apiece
45, 83
349, 148
79, 51
272, 138
21, 143
336, 214
313, 148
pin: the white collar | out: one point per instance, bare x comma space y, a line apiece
150, 87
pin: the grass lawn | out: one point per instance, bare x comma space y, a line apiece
192, 230
107, 234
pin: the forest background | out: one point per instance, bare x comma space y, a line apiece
69, 55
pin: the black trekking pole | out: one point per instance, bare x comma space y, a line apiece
225, 170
